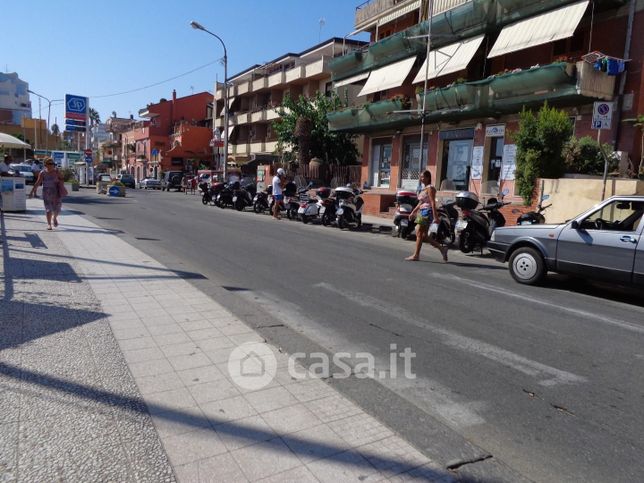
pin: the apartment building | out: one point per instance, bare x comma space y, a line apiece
489, 59
171, 135
255, 94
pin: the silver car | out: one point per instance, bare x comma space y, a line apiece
604, 243
150, 183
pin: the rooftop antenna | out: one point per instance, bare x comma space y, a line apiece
322, 24
192, 89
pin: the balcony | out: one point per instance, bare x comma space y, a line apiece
258, 116
260, 84
270, 146
257, 147
297, 73
241, 148
377, 115
242, 118
560, 84
318, 68
272, 114
244, 87
276, 79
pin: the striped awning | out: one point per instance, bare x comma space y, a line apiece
399, 13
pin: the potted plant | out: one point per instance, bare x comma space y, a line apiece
75, 185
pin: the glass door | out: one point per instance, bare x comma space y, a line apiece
411, 165
459, 159
381, 165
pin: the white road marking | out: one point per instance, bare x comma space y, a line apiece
526, 298
427, 394
467, 344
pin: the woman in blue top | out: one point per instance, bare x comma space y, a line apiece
424, 213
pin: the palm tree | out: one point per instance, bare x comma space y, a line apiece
94, 116
55, 130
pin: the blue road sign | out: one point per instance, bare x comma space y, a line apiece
88, 159
75, 107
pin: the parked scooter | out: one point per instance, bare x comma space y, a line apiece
291, 200
244, 196
225, 196
322, 206
206, 196
475, 227
446, 221
349, 207
263, 200
405, 202
534, 217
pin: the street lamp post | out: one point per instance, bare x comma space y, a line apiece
49, 102
198, 26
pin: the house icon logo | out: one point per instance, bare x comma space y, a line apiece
252, 365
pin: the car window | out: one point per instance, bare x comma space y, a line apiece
616, 216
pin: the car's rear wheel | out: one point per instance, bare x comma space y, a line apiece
527, 266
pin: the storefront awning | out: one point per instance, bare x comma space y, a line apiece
549, 27
392, 75
351, 80
230, 101
449, 59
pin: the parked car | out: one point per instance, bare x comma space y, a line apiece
127, 180
23, 170
604, 243
103, 178
171, 180
150, 183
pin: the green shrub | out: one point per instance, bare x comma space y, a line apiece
68, 174
583, 156
540, 141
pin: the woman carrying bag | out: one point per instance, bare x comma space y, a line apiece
53, 191
424, 213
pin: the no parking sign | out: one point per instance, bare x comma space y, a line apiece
602, 115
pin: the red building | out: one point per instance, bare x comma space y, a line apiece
489, 59
173, 135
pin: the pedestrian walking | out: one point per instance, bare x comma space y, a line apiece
278, 196
4, 165
424, 212
53, 191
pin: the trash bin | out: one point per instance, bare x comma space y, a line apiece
14, 194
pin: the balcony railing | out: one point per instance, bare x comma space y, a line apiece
373, 10
258, 116
257, 147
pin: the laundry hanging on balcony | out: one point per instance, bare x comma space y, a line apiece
555, 25
605, 63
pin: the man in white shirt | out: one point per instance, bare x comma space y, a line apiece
278, 196
4, 165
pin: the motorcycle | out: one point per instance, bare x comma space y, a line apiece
308, 208
263, 200
534, 217
445, 222
244, 196
475, 227
292, 198
225, 195
405, 203
349, 207
322, 206
206, 196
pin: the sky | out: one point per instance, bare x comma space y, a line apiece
102, 48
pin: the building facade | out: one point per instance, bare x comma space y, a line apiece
15, 104
172, 135
255, 94
488, 60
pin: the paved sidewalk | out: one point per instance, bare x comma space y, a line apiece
105, 331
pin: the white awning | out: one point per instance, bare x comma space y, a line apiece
351, 80
549, 27
399, 13
449, 59
230, 101
392, 75
231, 129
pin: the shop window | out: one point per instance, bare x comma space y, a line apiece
411, 162
456, 164
494, 165
380, 164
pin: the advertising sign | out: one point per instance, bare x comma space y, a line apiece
75, 107
508, 165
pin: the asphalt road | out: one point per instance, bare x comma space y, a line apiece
545, 383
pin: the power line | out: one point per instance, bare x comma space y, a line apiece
156, 83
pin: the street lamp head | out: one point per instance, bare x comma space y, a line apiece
197, 25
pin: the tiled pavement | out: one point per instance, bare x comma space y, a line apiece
107, 329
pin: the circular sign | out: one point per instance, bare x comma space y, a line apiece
603, 109
114, 191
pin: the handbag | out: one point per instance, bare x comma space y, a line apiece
62, 191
